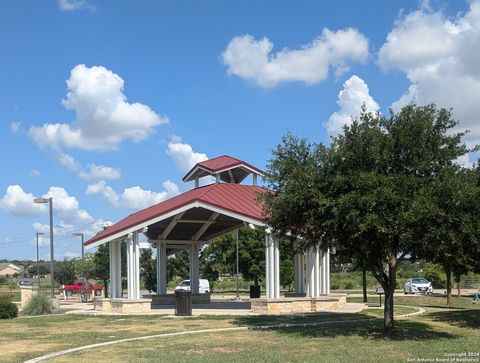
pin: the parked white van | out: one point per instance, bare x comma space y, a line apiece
203, 287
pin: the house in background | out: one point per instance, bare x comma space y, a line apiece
8, 269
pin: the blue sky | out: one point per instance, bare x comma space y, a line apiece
105, 105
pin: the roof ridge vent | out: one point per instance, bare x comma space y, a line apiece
223, 168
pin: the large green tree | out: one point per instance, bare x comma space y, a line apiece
447, 222
358, 192
148, 269
64, 272
85, 267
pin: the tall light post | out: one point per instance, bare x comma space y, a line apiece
50, 205
38, 269
80, 234
236, 248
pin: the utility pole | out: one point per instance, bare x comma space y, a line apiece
81, 234
38, 268
50, 209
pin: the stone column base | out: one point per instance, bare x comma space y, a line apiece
122, 306
294, 305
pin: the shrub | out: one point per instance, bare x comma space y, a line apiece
349, 285
3, 280
5, 296
39, 304
8, 310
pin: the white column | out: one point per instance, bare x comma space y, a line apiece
129, 267
302, 273
299, 273
327, 272
194, 268
317, 270
276, 268
112, 257
161, 268
136, 246
323, 275
310, 272
271, 257
115, 254
133, 266
267, 265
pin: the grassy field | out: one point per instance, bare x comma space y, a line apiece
431, 335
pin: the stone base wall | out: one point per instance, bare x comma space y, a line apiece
292, 305
169, 299
122, 306
102, 304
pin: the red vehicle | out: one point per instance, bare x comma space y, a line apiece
78, 287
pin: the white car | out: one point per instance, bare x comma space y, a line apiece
203, 286
417, 285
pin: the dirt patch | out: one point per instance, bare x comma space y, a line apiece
11, 349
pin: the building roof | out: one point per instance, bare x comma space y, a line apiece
235, 202
229, 168
5, 265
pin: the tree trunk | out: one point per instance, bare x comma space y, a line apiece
256, 280
448, 272
105, 288
364, 283
389, 288
458, 285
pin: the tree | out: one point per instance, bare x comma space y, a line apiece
148, 269
178, 266
64, 272
357, 193
42, 270
85, 267
219, 257
448, 223
102, 266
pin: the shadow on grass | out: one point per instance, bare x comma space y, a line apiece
333, 325
468, 318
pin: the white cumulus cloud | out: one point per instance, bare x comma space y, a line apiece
254, 61
133, 197
66, 207
19, 203
104, 118
100, 172
183, 155
440, 56
354, 95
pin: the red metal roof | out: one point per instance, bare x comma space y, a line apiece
236, 198
220, 163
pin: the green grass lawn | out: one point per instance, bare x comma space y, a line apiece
439, 330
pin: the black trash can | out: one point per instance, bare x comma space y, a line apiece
254, 292
183, 303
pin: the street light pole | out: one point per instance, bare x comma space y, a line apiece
81, 234
50, 207
238, 292
38, 269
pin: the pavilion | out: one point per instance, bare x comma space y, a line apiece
192, 219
